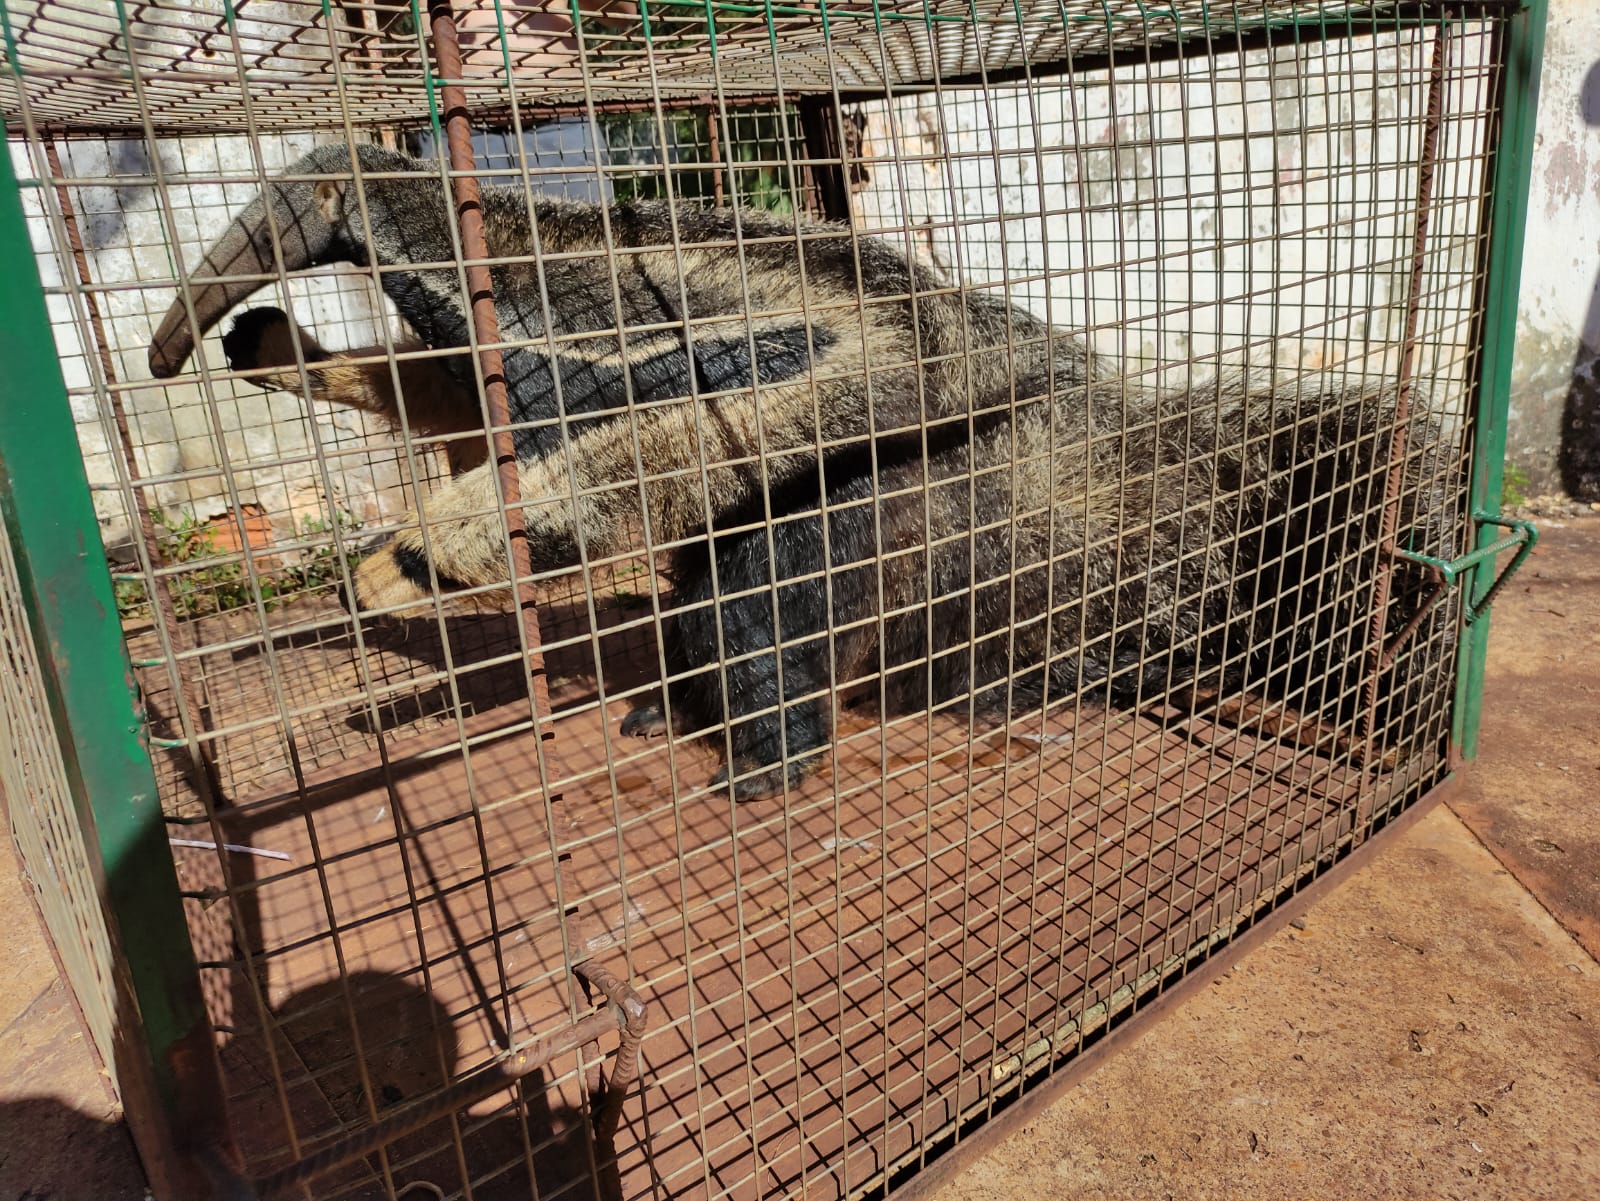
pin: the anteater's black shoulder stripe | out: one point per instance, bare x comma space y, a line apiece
413, 564
782, 354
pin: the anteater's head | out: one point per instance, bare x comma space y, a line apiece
315, 225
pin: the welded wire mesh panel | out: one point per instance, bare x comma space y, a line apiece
44, 821
633, 153
1194, 212
900, 645
297, 64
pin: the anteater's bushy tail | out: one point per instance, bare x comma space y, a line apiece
1228, 536
1316, 462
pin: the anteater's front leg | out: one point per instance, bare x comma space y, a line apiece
459, 538
675, 466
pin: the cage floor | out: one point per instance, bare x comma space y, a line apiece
301, 693
830, 982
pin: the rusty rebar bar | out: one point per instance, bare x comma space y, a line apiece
1395, 475
714, 153
1397, 644
206, 774
625, 1066
486, 327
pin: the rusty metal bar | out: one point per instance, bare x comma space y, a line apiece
202, 754
1408, 353
625, 1067
1392, 651
713, 149
486, 326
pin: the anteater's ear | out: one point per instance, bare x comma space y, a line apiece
329, 195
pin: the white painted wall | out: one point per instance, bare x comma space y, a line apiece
273, 452
1116, 182
1201, 213
1555, 396
1190, 215
249, 448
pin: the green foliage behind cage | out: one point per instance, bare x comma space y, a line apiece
215, 578
748, 135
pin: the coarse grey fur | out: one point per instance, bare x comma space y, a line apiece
725, 382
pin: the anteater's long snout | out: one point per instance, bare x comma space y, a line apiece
244, 250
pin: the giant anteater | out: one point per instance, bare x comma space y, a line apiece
950, 503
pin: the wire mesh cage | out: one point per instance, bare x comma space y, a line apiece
717, 589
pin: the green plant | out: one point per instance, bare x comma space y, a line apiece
215, 579
623, 596
319, 568
633, 140
1514, 485
131, 598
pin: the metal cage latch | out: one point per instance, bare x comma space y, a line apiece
1524, 536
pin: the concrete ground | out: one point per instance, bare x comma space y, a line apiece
1429, 1029
61, 1133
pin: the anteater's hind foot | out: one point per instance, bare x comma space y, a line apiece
648, 719
754, 779
645, 721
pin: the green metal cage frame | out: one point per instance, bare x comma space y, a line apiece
161, 1049
1508, 216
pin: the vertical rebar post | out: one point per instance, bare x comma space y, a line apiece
714, 152
486, 328
1395, 475
625, 1069
203, 758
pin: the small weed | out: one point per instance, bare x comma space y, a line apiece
131, 598
625, 597
215, 579
1514, 485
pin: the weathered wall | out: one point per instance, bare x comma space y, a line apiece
1555, 394
1093, 180
234, 446
1175, 218
1196, 215
243, 448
